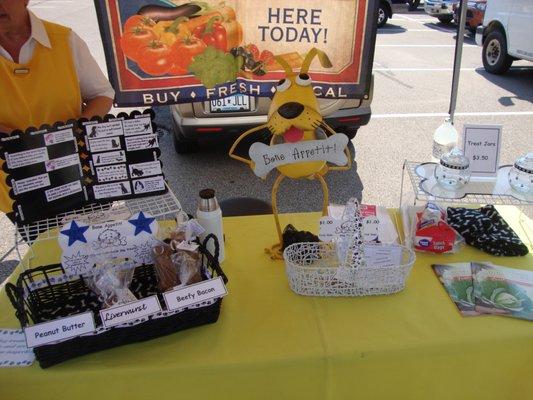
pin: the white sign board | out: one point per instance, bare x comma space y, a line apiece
266, 158
131, 311
84, 245
194, 294
481, 144
59, 329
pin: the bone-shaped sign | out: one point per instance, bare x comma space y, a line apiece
266, 158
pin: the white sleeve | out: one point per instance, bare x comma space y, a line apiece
93, 82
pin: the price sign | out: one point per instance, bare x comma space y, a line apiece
481, 144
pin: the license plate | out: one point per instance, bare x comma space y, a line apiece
235, 103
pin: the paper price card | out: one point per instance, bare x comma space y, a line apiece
57, 137
137, 126
104, 129
482, 146
27, 157
113, 157
59, 329
129, 312
194, 294
143, 142
104, 144
13, 349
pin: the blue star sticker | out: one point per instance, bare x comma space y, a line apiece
75, 233
141, 224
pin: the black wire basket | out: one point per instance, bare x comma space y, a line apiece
43, 294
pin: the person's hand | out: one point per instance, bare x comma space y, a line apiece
5, 129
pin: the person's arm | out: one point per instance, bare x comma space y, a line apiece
99, 106
96, 91
5, 129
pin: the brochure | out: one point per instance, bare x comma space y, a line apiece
457, 280
503, 291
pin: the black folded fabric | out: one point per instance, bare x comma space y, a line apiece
485, 229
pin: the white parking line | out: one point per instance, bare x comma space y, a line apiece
458, 114
418, 20
412, 30
422, 69
424, 45
383, 68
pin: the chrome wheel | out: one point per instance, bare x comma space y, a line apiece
381, 16
493, 52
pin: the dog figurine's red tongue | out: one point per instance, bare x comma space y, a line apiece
293, 134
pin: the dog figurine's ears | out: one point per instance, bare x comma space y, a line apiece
322, 57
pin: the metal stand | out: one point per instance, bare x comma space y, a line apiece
471, 197
457, 59
161, 207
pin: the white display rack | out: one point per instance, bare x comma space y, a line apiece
160, 207
478, 193
474, 193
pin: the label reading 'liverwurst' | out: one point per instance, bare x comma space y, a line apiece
137, 126
141, 170
113, 157
148, 185
26, 157
62, 162
141, 142
111, 173
104, 144
130, 311
31, 183
114, 189
61, 136
63, 191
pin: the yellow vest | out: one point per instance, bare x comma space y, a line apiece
50, 92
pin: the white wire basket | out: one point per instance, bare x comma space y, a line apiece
314, 269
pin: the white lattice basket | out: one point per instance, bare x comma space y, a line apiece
313, 269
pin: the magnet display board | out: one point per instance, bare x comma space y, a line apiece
61, 168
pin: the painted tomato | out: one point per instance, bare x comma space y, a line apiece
252, 48
135, 39
267, 57
183, 52
138, 21
154, 58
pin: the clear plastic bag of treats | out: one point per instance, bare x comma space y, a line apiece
165, 269
189, 265
110, 280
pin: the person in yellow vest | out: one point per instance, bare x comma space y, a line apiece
47, 74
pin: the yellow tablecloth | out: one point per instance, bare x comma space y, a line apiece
270, 343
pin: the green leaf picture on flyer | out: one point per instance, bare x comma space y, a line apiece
457, 280
503, 291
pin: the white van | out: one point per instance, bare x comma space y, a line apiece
506, 34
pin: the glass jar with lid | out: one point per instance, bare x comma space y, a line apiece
521, 174
453, 171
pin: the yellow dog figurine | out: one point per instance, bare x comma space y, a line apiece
294, 116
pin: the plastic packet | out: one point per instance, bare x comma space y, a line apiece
189, 266
165, 269
433, 234
110, 281
186, 229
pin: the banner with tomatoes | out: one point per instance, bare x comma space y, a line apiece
174, 51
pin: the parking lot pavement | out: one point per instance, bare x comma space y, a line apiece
412, 74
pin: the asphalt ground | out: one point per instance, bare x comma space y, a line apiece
412, 75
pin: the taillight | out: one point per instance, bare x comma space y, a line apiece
208, 129
349, 119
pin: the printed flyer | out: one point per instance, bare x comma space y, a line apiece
457, 280
173, 51
503, 291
